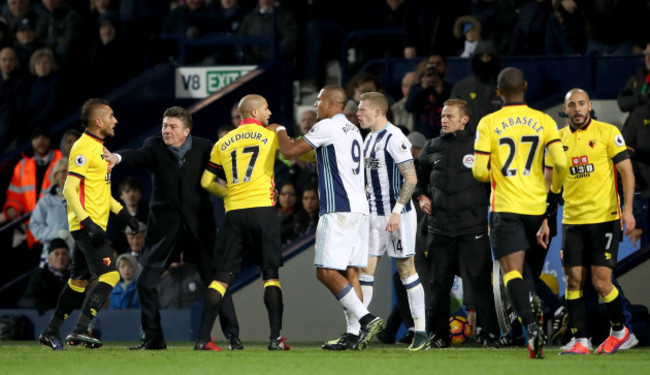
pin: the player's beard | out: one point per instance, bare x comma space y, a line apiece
585, 120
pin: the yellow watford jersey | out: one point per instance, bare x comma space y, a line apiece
515, 138
590, 191
247, 156
87, 163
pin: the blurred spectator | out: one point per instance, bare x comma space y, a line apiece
136, 241
192, 19
228, 15
60, 27
5, 34
400, 115
637, 88
40, 105
12, 86
565, 31
17, 9
426, 99
49, 219
306, 121
612, 26
180, 286
31, 179
497, 20
467, 29
306, 220
99, 7
270, 20
235, 115
68, 138
47, 282
479, 90
429, 26
417, 144
529, 35
26, 39
125, 294
130, 192
224, 129
287, 207
106, 66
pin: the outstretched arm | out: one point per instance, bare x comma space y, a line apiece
288, 148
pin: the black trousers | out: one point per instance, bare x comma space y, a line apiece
149, 278
470, 254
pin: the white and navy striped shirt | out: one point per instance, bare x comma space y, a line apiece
341, 186
382, 152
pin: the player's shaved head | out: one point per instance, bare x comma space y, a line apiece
335, 94
250, 102
511, 81
572, 93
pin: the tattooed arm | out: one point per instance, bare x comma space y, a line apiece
407, 169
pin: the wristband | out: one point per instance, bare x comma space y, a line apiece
280, 128
119, 158
398, 208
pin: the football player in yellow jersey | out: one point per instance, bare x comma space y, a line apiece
512, 141
87, 192
593, 221
245, 158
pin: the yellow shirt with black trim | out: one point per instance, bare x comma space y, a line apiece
246, 156
86, 162
515, 138
590, 189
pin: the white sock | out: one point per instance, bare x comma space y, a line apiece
618, 334
367, 283
348, 298
415, 294
353, 325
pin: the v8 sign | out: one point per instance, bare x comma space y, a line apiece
201, 82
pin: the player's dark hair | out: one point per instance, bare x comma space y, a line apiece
181, 114
511, 81
89, 108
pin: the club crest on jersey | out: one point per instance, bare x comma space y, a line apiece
618, 140
468, 161
80, 160
404, 146
314, 130
566, 148
106, 261
592, 143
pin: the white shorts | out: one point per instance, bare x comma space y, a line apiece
398, 244
342, 241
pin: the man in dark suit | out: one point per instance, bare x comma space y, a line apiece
180, 218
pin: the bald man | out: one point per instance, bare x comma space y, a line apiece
513, 141
592, 220
243, 160
343, 227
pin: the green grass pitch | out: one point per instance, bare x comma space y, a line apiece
307, 358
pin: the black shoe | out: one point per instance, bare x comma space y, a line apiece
206, 345
151, 344
52, 340
369, 331
79, 338
439, 342
234, 343
490, 341
408, 338
346, 341
386, 337
279, 344
559, 323
536, 341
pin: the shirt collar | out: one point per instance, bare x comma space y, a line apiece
248, 121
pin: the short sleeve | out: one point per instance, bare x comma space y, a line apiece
399, 149
482, 140
214, 164
615, 142
321, 134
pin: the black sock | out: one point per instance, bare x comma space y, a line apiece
210, 311
96, 300
577, 316
615, 313
520, 298
275, 308
366, 319
68, 301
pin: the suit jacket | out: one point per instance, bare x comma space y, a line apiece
177, 200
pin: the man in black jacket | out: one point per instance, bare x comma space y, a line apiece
180, 218
457, 233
